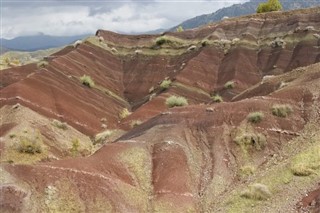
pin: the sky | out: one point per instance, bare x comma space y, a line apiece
77, 17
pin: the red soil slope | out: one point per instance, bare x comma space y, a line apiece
61, 95
175, 170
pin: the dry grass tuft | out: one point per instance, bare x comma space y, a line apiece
257, 191
255, 117
282, 110
87, 81
174, 101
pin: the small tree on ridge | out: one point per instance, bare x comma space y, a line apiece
269, 6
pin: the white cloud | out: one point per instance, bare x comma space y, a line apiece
129, 17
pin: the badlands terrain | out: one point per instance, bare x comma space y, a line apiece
88, 128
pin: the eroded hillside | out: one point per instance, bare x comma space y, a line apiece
247, 141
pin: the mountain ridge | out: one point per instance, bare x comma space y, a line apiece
39, 42
240, 10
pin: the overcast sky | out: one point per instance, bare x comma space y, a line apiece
71, 17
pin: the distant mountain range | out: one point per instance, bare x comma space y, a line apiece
38, 42
240, 10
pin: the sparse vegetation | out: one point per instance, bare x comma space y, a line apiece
174, 101
205, 42
306, 163
75, 146
255, 117
170, 40
124, 113
165, 84
257, 140
12, 135
6, 60
269, 6
180, 29
18, 58
87, 81
161, 40
247, 170
229, 85
281, 110
217, 98
135, 123
187, 159
101, 137
42, 64
235, 41
224, 44
278, 42
138, 161
59, 124
257, 191
15, 62
30, 146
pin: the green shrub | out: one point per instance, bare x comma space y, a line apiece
163, 40
59, 124
42, 64
124, 113
229, 85
180, 29
15, 62
269, 6
174, 101
257, 140
30, 146
217, 98
247, 170
281, 110
12, 135
205, 43
75, 146
165, 84
257, 191
87, 81
101, 137
255, 117
278, 42
262, 8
